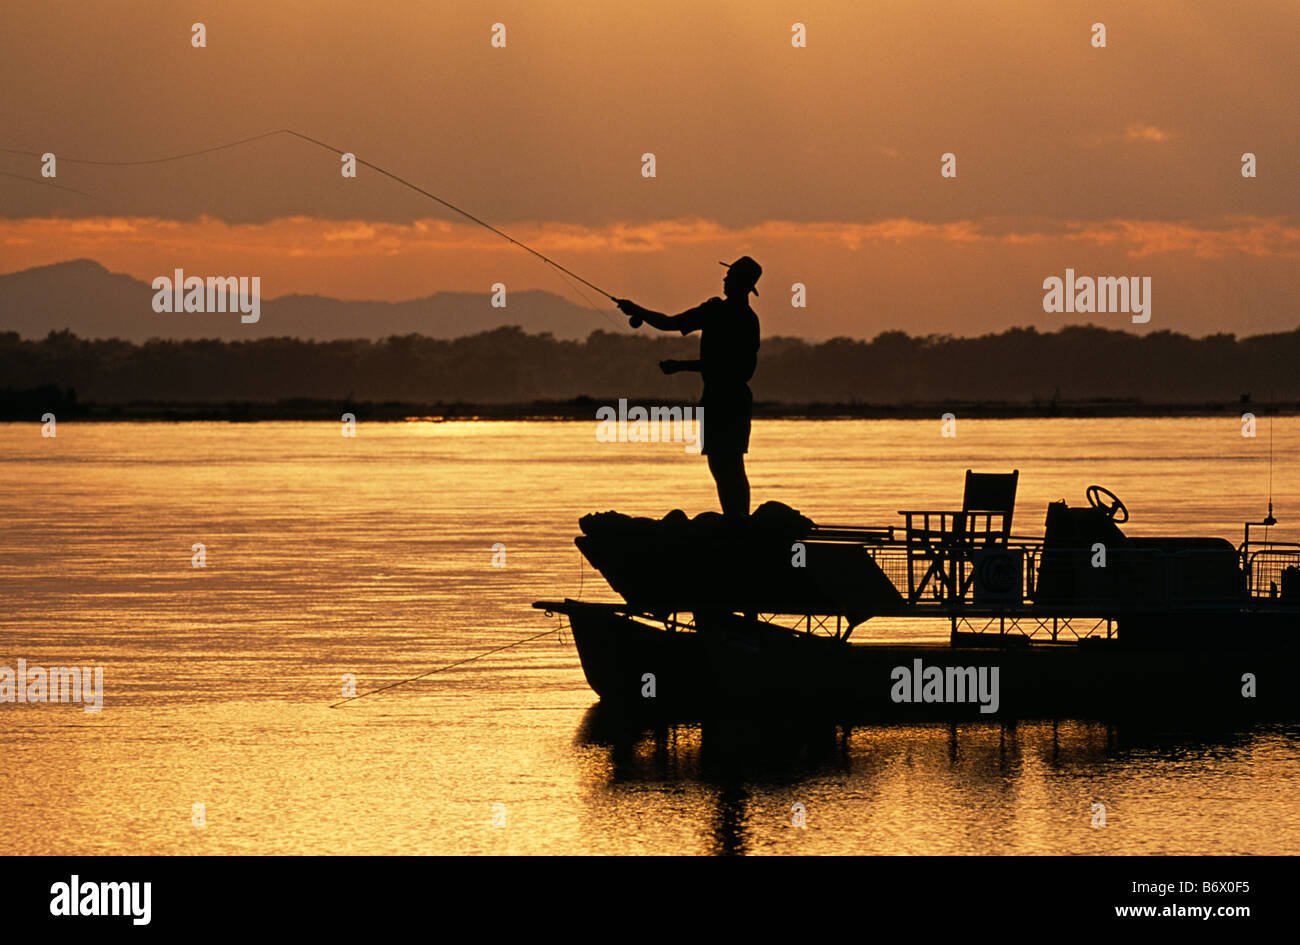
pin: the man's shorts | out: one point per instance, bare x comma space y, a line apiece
727, 413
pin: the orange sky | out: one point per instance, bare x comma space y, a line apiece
821, 162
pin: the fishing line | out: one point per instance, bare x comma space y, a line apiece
329, 147
589, 303
161, 160
47, 183
564, 272
403, 682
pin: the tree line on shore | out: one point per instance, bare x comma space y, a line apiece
507, 366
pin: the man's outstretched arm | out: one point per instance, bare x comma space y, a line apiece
685, 322
654, 319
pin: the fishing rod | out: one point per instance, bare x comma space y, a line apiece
451, 206
339, 151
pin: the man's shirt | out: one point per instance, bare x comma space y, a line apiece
728, 340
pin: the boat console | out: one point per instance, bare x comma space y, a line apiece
1088, 561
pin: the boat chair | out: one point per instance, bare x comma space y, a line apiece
941, 545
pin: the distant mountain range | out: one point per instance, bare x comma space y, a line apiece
85, 298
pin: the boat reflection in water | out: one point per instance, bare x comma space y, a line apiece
742, 786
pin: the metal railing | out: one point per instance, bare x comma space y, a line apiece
1134, 576
1265, 564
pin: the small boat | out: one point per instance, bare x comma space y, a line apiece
756, 616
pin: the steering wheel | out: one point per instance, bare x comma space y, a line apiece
1114, 508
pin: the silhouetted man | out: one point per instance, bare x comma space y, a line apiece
728, 353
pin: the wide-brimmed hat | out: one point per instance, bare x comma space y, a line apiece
746, 269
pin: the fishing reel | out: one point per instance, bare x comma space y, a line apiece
633, 320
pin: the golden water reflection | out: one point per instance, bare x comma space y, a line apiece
374, 557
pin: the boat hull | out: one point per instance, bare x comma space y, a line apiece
732, 664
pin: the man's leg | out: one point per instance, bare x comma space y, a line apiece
728, 471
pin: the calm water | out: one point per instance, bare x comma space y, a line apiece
374, 556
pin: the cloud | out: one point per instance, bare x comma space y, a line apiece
1213, 274
307, 237
1138, 132
359, 232
1135, 132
